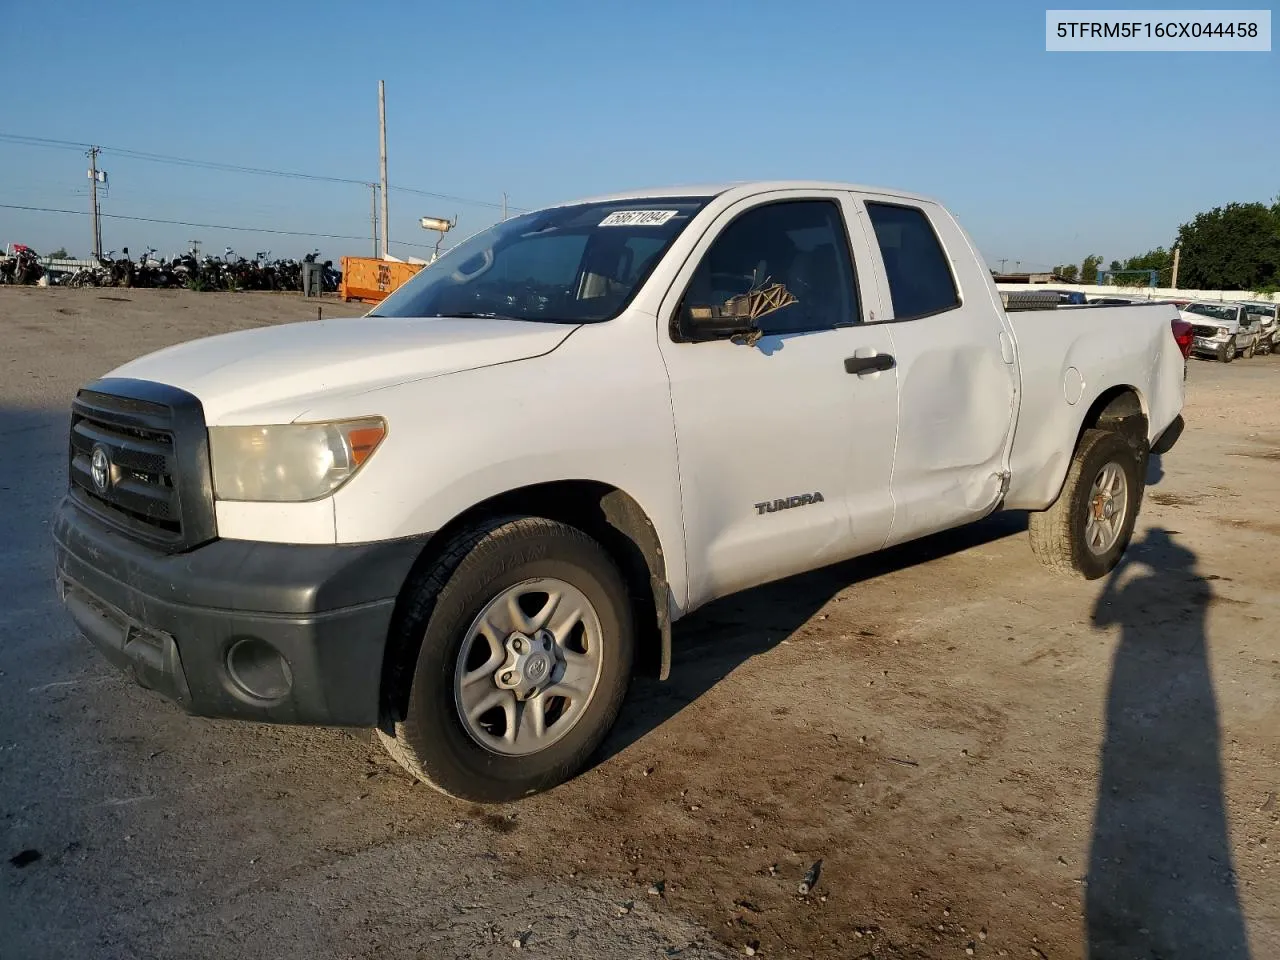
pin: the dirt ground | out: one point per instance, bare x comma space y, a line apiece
983, 758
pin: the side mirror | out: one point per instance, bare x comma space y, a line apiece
714, 323
737, 318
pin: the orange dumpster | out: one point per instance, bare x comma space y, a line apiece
372, 280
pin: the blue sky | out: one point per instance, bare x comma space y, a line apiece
1045, 157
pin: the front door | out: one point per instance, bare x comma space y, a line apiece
785, 451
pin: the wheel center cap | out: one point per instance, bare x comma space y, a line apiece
536, 668
1108, 509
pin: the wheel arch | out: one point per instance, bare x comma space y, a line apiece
1121, 408
610, 515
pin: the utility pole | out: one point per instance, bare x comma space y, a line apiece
93, 200
504, 204
1174, 281
373, 215
1016, 265
1003, 261
382, 128
195, 247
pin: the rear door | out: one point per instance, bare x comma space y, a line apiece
957, 370
785, 449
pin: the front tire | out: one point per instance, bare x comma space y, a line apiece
1088, 528
1228, 351
1248, 352
526, 652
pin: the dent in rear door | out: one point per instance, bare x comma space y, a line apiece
957, 379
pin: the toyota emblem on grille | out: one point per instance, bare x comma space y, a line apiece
100, 467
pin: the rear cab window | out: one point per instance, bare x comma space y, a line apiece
921, 283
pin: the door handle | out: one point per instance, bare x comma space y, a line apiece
860, 365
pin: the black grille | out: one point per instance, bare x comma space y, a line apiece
1200, 330
153, 465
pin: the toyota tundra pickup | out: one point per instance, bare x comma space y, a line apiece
468, 517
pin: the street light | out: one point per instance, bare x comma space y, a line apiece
441, 226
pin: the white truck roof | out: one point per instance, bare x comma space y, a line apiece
744, 188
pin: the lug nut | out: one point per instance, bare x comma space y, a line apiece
517, 645
508, 677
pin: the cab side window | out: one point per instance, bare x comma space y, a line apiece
786, 263
920, 279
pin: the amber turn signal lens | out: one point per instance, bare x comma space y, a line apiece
364, 441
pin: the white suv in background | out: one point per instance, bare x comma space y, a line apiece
1269, 316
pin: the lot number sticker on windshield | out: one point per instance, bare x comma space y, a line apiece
638, 218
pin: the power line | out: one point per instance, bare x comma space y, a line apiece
43, 142
203, 226
228, 167
24, 140
180, 161
445, 196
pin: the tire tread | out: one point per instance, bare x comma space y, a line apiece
1051, 531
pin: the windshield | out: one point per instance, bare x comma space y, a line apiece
575, 264
1213, 310
1266, 310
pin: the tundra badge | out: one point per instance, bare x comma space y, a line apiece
803, 500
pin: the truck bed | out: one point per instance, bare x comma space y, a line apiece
1073, 357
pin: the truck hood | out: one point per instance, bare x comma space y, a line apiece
271, 370
1199, 319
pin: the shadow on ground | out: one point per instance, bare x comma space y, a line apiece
714, 641
711, 643
1161, 882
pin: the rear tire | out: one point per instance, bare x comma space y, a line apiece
1248, 352
1079, 535
458, 606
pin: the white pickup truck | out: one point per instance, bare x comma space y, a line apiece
466, 518
1223, 330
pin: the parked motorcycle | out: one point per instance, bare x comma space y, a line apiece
22, 267
151, 272
227, 272
87, 277
121, 272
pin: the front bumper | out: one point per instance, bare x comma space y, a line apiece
284, 633
1206, 347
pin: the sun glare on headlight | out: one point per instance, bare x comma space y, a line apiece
290, 462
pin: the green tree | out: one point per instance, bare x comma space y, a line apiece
1236, 247
1159, 259
60, 254
1089, 269
1068, 271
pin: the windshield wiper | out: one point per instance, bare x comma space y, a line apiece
465, 315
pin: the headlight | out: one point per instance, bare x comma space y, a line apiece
290, 462
1223, 331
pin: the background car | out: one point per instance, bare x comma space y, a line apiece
1222, 330
1268, 315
